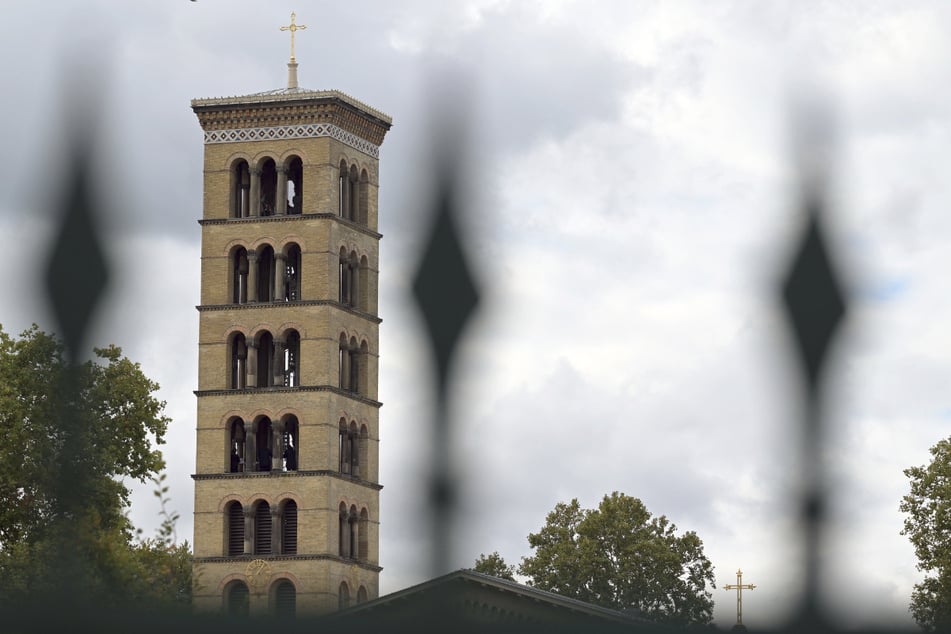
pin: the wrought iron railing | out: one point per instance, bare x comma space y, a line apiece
447, 295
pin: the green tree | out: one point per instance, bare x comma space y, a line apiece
494, 565
928, 526
71, 435
619, 556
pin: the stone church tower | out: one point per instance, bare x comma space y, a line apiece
287, 471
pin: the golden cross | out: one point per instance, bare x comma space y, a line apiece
293, 28
739, 586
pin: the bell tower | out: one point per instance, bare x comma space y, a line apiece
287, 440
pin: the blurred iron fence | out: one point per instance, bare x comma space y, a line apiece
444, 288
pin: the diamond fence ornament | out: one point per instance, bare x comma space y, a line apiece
76, 275
447, 297
815, 307
77, 272
813, 297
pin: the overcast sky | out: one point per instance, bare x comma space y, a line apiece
631, 205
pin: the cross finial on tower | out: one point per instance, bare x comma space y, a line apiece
293, 27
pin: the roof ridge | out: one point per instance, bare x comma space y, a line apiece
289, 94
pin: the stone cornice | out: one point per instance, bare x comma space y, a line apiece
283, 95
289, 474
302, 131
281, 389
289, 108
321, 216
303, 302
238, 558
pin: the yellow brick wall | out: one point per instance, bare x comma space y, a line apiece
317, 571
318, 415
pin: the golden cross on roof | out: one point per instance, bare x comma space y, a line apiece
293, 27
739, 586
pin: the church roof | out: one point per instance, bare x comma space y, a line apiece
280, 95
469, 596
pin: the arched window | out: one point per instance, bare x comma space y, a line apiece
354, 278
343, 364
354, 194
239, 357
239, 276
237, 599
349, 449
343, 537
239, 205
236, 446
289, 527
355, 370
265, 359
265, 281
262, 528
361, 594
354, 440
343, 190
291, 435
344, 447
363, 543
292, 264
344, 275
353, 521
363, 356
234, 529
263, 444
295, 185
363, 285
363, 448
343, 598
363, 198
284, 600
268, 187
291, 359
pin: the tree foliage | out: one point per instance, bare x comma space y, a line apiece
495, 566
928, 526
619, 556
72, 434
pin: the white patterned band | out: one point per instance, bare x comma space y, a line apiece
308, 130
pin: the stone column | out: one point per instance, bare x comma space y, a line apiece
252, 284
255, 192
252, 364
277, 362
242, 280
251, 448
248, 530
277, 441
355, 285
276, 546
280, 268
244, 203
280, 207
241, 373
355, 455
